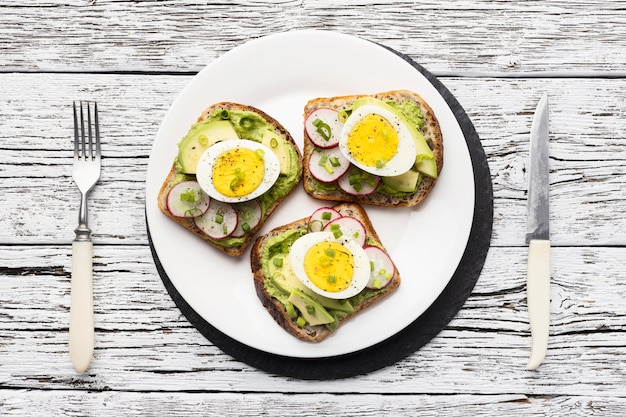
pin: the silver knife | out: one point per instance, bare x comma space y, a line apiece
538, 237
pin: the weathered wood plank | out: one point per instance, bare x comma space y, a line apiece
143, 342
588, 154
463, 36
40, 403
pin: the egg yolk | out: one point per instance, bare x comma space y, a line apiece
373, 141
329, 266
238, 172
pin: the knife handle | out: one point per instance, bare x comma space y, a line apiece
81, 305
538, 299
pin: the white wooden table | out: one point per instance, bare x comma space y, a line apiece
134, 57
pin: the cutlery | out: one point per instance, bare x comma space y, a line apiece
537, 237
86, 172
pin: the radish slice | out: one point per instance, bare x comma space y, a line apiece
249, 215
327, 165
321, 217
219, 222
323, 127
347, 227
381, 267
358, 182
186, 199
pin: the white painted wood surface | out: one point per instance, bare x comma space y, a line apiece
134, 57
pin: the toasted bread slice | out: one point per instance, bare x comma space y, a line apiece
271, 200
278, 310
430, 129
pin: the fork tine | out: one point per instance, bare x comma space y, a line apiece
89, 155
97, 125
75, 131
82, 131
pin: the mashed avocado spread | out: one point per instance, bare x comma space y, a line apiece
411, 112
247, 125
279, 282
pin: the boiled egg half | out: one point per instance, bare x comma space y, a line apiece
234, 171
377, 141
334, 268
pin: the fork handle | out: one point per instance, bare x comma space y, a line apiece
81, 307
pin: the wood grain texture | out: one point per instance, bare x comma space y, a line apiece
587, 154
484, 35
134, 57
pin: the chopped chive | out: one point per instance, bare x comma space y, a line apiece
316, 225
323, 160
322, 128
334, 161
324, 260
330, 252
278, 262
377, 284
273, 143
245, 227
331, 278
310, 309
219, 218
260, 153
327, 215
301, 322
189, 196
371, 266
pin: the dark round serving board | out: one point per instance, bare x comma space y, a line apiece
420, 331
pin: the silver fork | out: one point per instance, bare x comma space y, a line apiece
86, 172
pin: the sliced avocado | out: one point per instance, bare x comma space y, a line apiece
279, 146
312, 311
285, 280
427, 167
282, 283
406, 182
200, 137
425, 159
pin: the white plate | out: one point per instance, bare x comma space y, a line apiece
279, 74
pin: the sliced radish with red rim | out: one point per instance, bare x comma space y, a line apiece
327, 165
248, 217
219, 222
186, 199
321, 217
381, 267
358, 182
323, 127
347, 227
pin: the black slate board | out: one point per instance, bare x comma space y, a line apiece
420, 331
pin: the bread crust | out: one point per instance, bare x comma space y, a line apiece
277, 310
430, 129
188, 223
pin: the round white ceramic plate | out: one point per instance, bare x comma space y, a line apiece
279, 74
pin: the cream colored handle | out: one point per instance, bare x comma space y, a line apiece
81, 307
538, 298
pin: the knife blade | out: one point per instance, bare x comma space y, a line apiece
538, 236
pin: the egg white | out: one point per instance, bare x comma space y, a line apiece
401, 162
204, 171
361, 263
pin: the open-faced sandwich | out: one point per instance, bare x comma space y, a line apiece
315, 273
384, 149
233, 168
